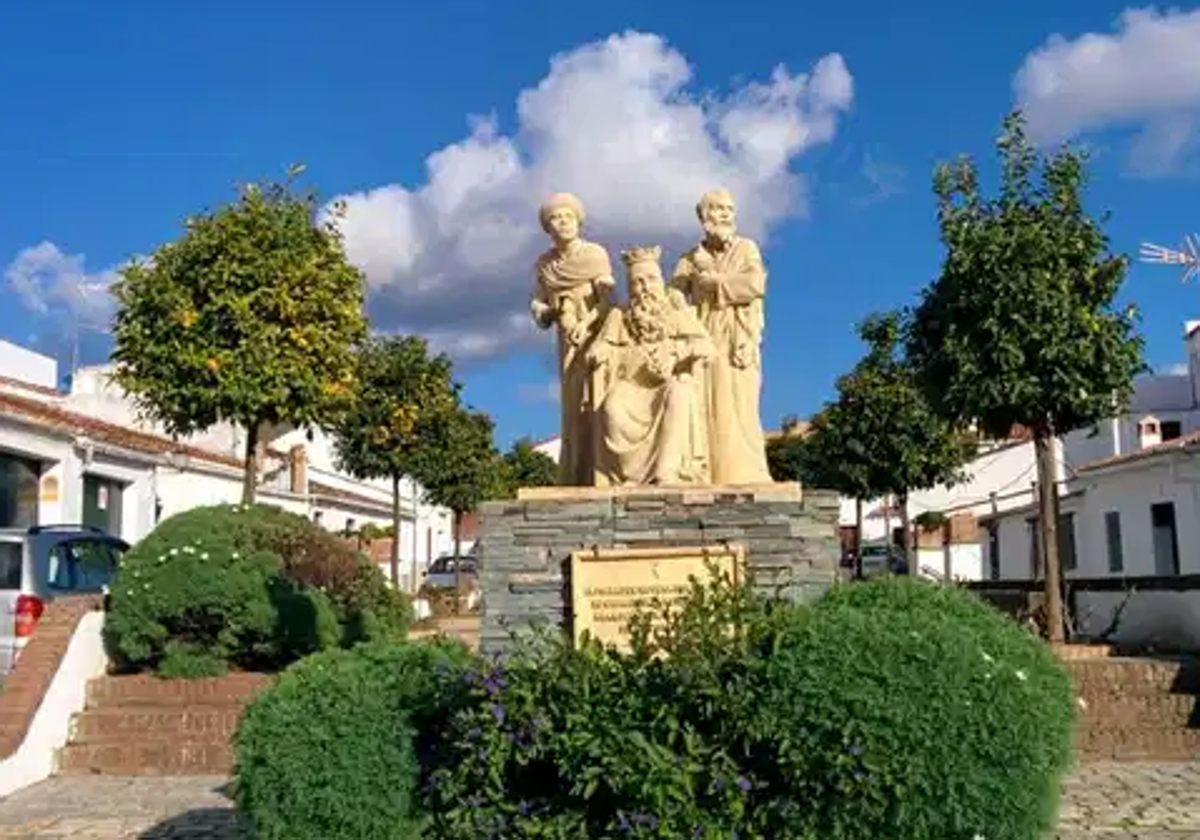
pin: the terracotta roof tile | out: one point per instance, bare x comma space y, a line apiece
45, 390
50, 416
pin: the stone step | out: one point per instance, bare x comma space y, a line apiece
145, 690
463, 628
1137, 744
159, 757
1119, 676
1150, 711
118, 723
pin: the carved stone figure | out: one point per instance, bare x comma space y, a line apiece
573, 290
648, 357
725, 279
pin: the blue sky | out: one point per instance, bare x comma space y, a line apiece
120, 123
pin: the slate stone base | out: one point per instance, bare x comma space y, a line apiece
525, 546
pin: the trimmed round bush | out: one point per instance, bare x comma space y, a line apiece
332, 751
911, 710
247, 586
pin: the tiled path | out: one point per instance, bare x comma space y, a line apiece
1102, 802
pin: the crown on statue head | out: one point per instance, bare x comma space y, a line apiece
645, 253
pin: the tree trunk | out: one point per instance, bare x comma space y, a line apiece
906, 540
396, 531
947, 554
416, 509
858, 519
1043, 446
458, 518
250, 468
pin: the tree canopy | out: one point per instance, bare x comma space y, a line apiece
378, 435
908, 445
525, 466
457, 462
398, 383
1021, 327
250, 317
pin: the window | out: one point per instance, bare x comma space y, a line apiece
993, 530
1112, 536
81, 566
1164, 538
1171, 429
1066, 541
11, 554
19, 479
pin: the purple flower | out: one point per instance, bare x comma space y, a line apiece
499, 713
494, 681
743, 784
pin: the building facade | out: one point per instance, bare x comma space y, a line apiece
83, 456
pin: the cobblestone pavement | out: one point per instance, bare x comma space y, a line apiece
1101, 802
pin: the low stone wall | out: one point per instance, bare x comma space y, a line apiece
790, 539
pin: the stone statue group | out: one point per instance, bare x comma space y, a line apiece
663, 390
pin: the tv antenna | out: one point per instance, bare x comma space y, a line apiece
1188, 256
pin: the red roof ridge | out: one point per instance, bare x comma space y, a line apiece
54, 416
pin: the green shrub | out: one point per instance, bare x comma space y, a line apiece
890, 709
247, 586
905, 709
564, 742
330, 750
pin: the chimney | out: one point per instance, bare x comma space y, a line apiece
298, 469
1149, 431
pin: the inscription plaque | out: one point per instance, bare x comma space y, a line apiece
610, 585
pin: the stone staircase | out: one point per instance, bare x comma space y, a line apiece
1137, 709
145, 726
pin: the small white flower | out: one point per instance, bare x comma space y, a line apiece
204, 555
235, 555
1021, 675
1082, 703
173, 551
986, 657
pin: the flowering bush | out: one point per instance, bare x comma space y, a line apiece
889, 709
248, 586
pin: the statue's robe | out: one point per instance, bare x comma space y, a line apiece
573, 287
732, 312
652, 410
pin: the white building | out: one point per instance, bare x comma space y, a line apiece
1130, 501
83, 456
1129, 517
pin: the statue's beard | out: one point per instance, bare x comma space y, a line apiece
647, 318
722, 232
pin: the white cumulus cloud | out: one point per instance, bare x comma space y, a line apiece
1144, 75
618, 122
50, 282
613, 122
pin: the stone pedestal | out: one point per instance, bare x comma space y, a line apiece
789, 539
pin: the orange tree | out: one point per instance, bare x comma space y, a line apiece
249, 317
379, 433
